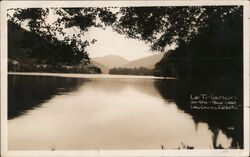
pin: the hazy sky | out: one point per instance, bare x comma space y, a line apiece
110, 42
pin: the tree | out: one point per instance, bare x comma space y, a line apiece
66, 48
209, 39
163, 26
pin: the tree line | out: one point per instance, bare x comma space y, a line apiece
131, 71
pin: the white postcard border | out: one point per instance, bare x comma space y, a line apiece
196, 152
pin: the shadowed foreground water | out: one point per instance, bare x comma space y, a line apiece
59, 113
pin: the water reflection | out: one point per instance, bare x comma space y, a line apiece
113, 85
228, 122
29, 92
97, 113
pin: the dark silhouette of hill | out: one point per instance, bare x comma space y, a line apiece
28, 52
214, 53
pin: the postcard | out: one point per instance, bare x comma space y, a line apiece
124, 78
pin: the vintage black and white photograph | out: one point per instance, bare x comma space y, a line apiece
120, 77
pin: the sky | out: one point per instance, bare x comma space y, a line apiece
110, 42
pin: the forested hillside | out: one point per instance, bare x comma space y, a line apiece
28, 52
217, 52
209, 39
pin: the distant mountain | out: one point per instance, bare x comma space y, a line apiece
148, 62
110, 61
104, 69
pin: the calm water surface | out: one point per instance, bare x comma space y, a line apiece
55, 113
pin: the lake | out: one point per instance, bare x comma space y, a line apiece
89, 112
